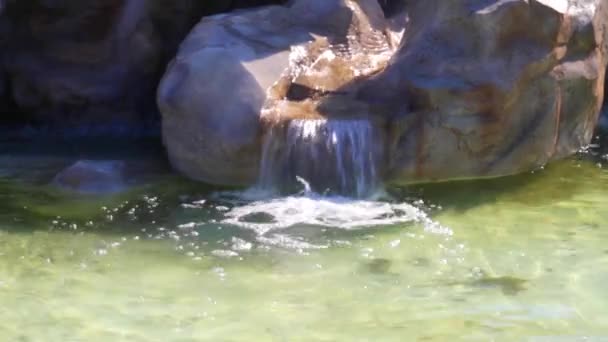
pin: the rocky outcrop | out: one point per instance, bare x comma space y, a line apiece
92, 62
460, 89
494, 87
233, 68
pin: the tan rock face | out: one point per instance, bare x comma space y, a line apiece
496, 88
459, 89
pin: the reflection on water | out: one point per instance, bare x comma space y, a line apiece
508, 259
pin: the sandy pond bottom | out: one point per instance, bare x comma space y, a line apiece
519, 258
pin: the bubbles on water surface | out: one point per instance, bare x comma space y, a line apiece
235, 224
282, 213
307, 220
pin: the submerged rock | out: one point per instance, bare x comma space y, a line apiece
111, 176
510, 286
379, 266
459, 89
93, 177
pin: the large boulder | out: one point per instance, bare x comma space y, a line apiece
233, 68
493, 87
458, 89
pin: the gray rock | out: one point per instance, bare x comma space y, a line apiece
233, 73
460, 89
93, 177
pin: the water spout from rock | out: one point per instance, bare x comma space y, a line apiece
335, 156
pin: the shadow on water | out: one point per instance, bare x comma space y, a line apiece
167, 207
28, 201
82, 148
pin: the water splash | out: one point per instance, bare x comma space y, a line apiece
335, 156
310, 209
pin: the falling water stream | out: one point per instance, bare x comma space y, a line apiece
333, 156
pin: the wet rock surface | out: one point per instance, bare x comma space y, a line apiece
461, 89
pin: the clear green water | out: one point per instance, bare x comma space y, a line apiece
520, 258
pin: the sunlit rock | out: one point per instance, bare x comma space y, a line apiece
457, 89
93, 177
492, 88
237, 74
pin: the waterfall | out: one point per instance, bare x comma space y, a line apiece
331, 155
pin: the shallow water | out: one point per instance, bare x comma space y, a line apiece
519, 258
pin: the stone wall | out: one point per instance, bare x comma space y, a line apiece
91, 63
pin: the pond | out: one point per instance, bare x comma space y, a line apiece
517, 258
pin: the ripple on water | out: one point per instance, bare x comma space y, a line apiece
523, 262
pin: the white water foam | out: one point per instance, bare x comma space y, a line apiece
336, 212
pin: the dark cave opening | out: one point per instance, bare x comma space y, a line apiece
32, 29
